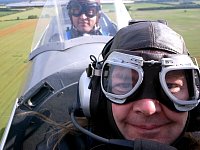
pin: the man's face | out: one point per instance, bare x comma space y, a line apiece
83, 23
147, 118
84, 16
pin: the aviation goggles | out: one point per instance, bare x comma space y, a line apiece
89, 9
122, 75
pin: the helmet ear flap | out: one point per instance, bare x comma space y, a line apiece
97, 102
84, 94
69, 12
98, 18
91, 100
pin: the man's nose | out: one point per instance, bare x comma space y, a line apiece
146, 106
83, 16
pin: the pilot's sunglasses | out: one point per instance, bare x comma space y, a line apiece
77, 9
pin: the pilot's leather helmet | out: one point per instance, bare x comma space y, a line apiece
142, 36
148, 34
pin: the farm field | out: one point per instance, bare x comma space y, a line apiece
184, 21
16, 34
15, 45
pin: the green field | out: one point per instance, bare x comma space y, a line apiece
16, 33
184, 21
15, 45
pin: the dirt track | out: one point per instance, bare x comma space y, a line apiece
17, 27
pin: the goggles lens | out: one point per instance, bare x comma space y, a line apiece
119, 80
177, 84
121, 77
89, 9
182, 87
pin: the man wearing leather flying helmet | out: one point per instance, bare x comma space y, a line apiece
152, 84
143, 95
84, 16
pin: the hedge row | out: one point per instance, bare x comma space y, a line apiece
172, 7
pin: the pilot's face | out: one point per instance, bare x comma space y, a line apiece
147, 118
83, 23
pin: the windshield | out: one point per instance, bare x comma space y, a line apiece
58, 21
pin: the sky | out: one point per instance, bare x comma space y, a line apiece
11, 1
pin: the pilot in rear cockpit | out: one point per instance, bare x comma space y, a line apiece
85, 16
